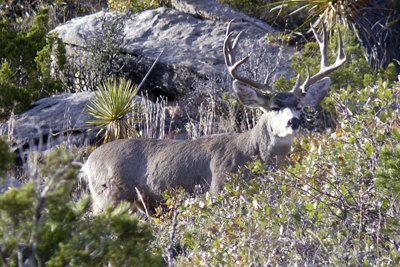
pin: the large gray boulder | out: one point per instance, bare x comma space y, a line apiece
191, 35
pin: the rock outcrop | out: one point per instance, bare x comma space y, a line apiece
191, 35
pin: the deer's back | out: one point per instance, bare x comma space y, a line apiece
115, 169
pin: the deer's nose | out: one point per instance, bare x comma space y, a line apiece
294, 123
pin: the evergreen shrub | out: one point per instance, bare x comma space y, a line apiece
40, 225
25, 64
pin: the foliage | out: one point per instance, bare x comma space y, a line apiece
6, 156
25, 65
44, 60
388, 180
321, 208
132, 5
249, 7
106, 57
110, 106
41, 226
355, 72
377, 23
328, 12
21, 12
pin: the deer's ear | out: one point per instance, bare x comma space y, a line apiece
249, 96
315, 93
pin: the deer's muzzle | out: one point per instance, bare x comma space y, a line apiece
294, 123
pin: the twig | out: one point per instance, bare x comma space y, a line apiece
143, 203
320, 242
2, 258
76, 130
151, 68
378, 232
171, 238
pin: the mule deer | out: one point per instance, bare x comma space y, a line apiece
121, 169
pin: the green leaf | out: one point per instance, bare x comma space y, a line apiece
309, 206
297, 217
267, 210
217, 243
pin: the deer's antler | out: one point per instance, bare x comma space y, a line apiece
230, 60
325, 69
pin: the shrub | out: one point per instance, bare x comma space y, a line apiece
321, 208
356, 72
6, 157
41, 226
25, 65
388, 175
132, 5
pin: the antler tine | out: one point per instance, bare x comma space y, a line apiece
322, 45
230, 59
266, 81
340, 49
228, 29
325, 69
230, 52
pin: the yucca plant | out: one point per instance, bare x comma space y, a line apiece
110, 106
375, 21
327, 11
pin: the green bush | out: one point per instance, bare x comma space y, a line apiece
25, 64
388, 175
356, 72
21, 12
41, 226
253, 8
132, 5
320, 209
354, 75
6, 157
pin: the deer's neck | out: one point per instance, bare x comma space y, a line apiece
262, 142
